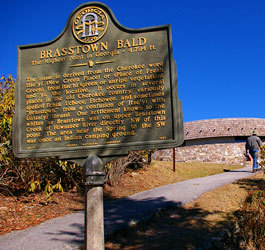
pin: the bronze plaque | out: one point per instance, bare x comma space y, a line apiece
98, 88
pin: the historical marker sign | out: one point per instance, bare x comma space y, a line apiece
97, 88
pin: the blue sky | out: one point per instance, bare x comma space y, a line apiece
219, 46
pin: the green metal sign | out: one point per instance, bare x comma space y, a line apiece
98, 88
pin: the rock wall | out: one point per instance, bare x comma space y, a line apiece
223, 153
216, 141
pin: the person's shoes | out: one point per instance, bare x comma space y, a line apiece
254, 170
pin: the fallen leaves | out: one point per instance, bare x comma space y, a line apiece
20, 213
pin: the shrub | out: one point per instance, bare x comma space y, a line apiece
252, 219
134, 160
46, 174
32, 174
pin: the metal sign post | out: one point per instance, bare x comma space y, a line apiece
94, 220
174, 160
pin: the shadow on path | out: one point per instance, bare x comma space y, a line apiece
154, 219
173, 228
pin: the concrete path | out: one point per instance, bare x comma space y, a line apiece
68, 232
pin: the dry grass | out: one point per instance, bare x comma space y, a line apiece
189, 227
161, 173
18, 213
220, 203
176, 228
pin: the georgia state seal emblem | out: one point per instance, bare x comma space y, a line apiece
90, 24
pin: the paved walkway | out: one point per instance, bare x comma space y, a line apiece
67, 232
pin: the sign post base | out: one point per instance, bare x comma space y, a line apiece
94, 220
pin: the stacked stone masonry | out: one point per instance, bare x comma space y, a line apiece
216, 141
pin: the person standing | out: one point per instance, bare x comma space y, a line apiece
253, 145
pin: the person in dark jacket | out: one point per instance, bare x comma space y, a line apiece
253, 145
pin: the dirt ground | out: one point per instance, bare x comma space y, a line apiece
175, 228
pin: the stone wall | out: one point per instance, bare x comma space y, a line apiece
216, 141
223, 153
